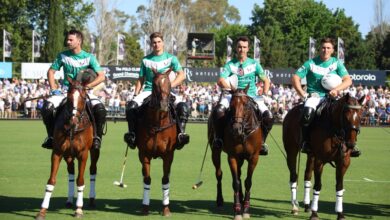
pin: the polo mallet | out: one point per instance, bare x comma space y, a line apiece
200, 182
120, 183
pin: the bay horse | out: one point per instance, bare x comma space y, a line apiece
156, 133
73, 135
242, 140
333, 134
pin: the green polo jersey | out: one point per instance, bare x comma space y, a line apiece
315, 69
73, 63
246, 73
161, 63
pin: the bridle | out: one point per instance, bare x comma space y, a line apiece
347, 126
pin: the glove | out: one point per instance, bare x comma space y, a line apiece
55, 92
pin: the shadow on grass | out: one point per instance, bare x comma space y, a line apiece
21, 206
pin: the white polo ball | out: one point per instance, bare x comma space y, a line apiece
331, 81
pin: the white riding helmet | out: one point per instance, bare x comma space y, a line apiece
331, 81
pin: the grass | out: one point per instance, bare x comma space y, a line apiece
25, 168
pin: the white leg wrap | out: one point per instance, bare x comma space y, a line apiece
92, 192
339, 201
293, 187
316, 197
46, 199
165, 191
70, 188
80, 191
306, 194
146, 198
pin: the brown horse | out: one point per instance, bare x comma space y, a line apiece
241, 141
156, 137
333, 134
73, 134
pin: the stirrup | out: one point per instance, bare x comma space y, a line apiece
97, 142
48, 143
355, 152
264, 149
129, 138
182, 139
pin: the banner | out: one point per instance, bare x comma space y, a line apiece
5, 70
39, 71
36, 44
92, 44
229, 48
256, 49
340, 50
6, 44
121, 47
312, 48
174, 46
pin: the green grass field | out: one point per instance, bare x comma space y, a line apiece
25, 168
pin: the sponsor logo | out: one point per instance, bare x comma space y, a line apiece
365, 77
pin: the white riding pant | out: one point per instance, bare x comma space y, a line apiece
225, 101
57, 99
139, 99
313, 102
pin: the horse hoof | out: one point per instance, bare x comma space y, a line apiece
145, 210
40, 217
78, 213
246, 216
314, 216
340, 216
294, 211
68, 205
92, 203
166, 212
238, 217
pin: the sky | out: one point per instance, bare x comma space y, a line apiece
361, 11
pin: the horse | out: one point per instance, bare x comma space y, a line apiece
333, 134
242, 140
73, 135
156, 133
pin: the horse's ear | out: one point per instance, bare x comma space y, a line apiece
246, 88
362, 100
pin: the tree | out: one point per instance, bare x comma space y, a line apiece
55, 37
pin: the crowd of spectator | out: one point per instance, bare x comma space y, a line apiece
199, 96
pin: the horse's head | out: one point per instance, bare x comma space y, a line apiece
239, 108
76, 101
349, 113
161, 90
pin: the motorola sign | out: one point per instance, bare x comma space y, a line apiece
368, 77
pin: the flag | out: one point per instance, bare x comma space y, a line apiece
174, 46
256, 49
6, 44
229, 49
121, 46
340, 50
36, 44
92, 44
146, 45
312, 48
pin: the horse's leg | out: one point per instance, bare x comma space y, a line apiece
240, 163
55, 162
70, 168
216, 157
82, 162
318, 167
233, 164
95, 153
167, 162
252, 163
341, 169
292, 166
145, 161
308, 173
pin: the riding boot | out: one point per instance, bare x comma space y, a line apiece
266, 125
182, 118
99, 113
48, 112
218, 116
131, 117
308, 115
